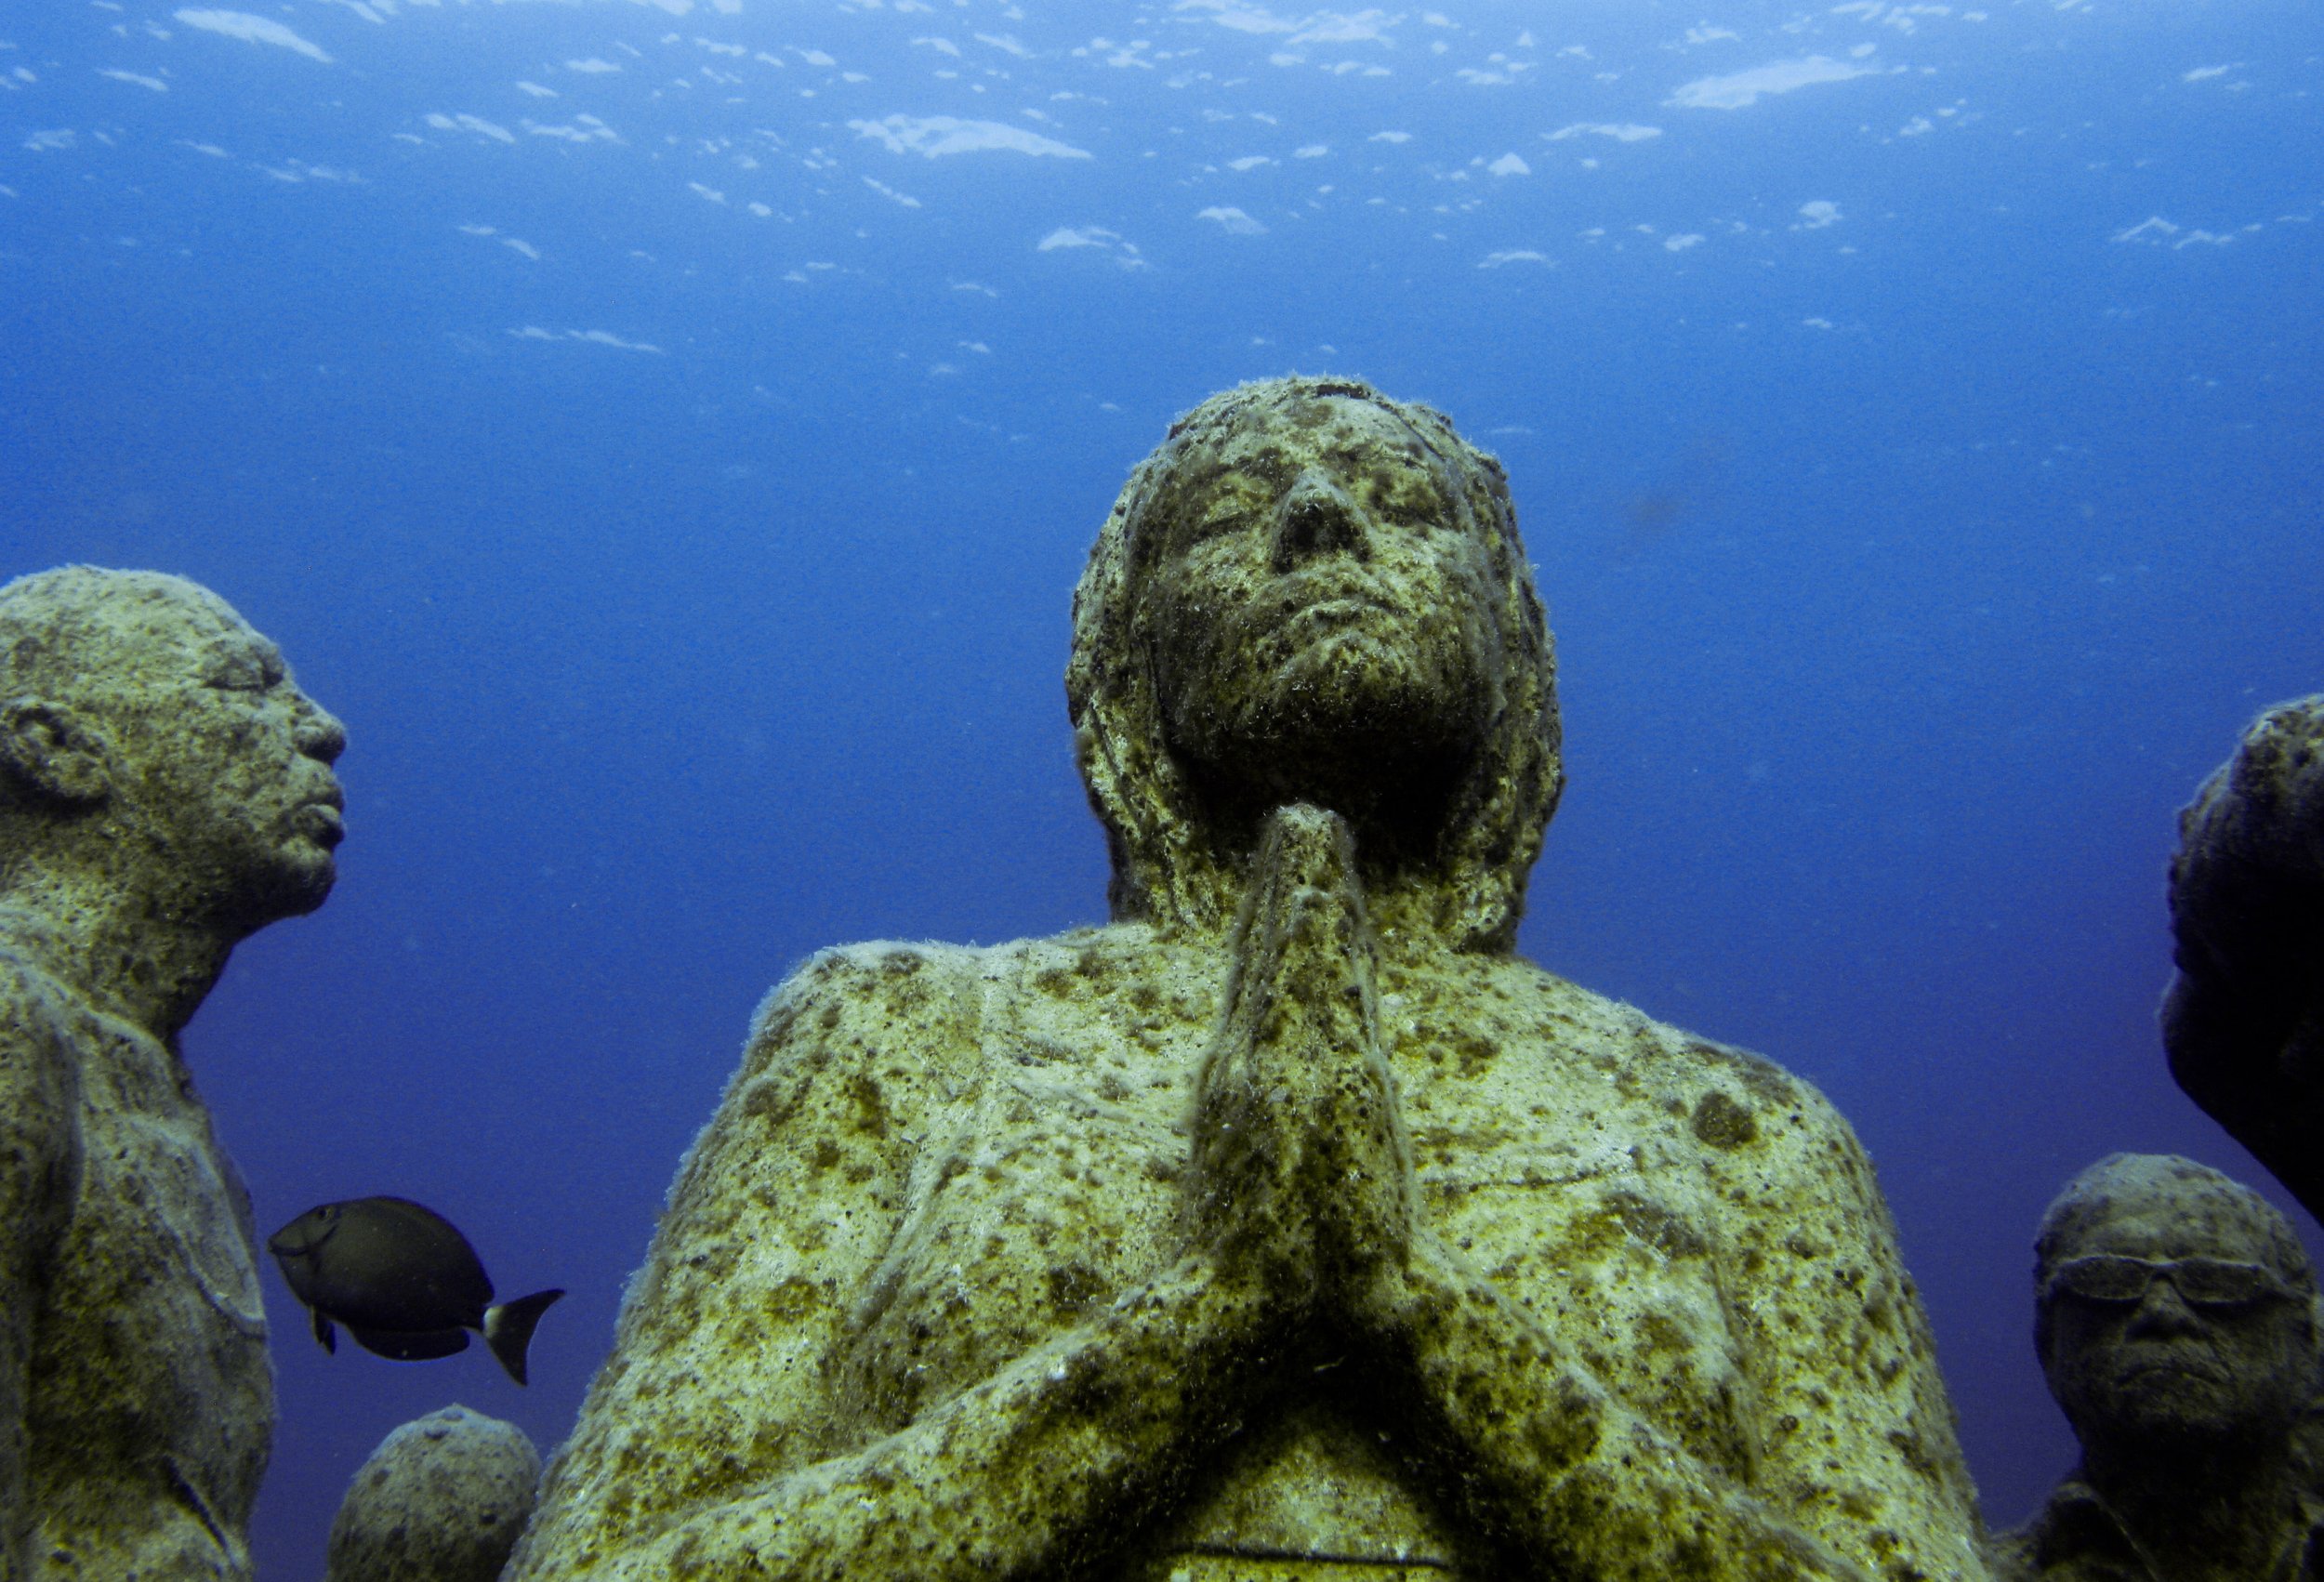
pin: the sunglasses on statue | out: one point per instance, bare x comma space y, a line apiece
2200, 1281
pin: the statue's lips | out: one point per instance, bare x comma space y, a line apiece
1335, 601
2155, 1367
322, 820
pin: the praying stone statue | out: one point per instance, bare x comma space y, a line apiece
2244, 1019
1289, 1226
165, 791
2175, 1317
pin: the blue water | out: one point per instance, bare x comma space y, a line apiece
1921, 465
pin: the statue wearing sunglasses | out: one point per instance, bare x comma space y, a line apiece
2175, 1318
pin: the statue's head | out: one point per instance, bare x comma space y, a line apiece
1311, 593
149, 736
2174, 1311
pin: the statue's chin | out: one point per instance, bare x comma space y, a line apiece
300, 883
1389, 766
2185, 1413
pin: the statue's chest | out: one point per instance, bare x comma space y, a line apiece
1064, 1188
1583, 1200
1058, 1190
158, 1259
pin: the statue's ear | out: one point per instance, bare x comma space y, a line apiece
52, 755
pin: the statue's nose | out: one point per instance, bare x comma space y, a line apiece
1318, 518
319, 734
2163, 1311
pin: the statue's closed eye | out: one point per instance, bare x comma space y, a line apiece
247, 674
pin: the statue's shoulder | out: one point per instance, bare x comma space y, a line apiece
1729, 1096
40, 1085
918, 1017
35, 1010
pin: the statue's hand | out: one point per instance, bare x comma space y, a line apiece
1303, 1177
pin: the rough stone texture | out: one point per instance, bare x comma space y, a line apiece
164, 790
1289, 1226
442, 1500
2191, 1413
2244, 1019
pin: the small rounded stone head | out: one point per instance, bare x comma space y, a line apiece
145, 725
1311, 593
442, 1499
2174, 1309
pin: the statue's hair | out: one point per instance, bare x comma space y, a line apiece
2198, 1197
60, 629
1163, 871
78, 634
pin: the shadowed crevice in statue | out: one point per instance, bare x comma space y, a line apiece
1289, 1226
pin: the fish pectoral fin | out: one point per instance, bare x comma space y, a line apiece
508, 1328
326, 1337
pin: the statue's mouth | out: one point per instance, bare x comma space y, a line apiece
322, 819
2162, 1367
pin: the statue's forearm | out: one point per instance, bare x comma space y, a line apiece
1055, 1457
1560, 1477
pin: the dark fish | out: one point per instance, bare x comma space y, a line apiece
403, 1280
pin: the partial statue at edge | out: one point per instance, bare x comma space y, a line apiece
2244, 1019
165, 791
1289, 1226
2175, 1317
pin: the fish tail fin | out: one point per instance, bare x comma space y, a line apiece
508, 1328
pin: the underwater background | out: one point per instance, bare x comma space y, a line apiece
668, 433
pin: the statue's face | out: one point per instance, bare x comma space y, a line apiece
2162, 1359
1321, 611
225, 764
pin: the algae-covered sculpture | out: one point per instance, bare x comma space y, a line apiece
1289, 1226
442, 1500
2175, 1316
2244, 1019
164, 791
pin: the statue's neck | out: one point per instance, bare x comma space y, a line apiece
2222, 1512
146, 959
1413, 912
1399, 813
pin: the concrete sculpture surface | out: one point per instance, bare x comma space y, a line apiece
165, 792
1289, 1226
442, 1500
2176, 1319
2244, 1019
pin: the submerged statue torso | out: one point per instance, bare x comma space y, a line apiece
1010, 1128
1289, 1226
148, 1383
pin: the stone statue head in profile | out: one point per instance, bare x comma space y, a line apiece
1289, 1226
165, 790
151, 740
2176, 1319
1311, 593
